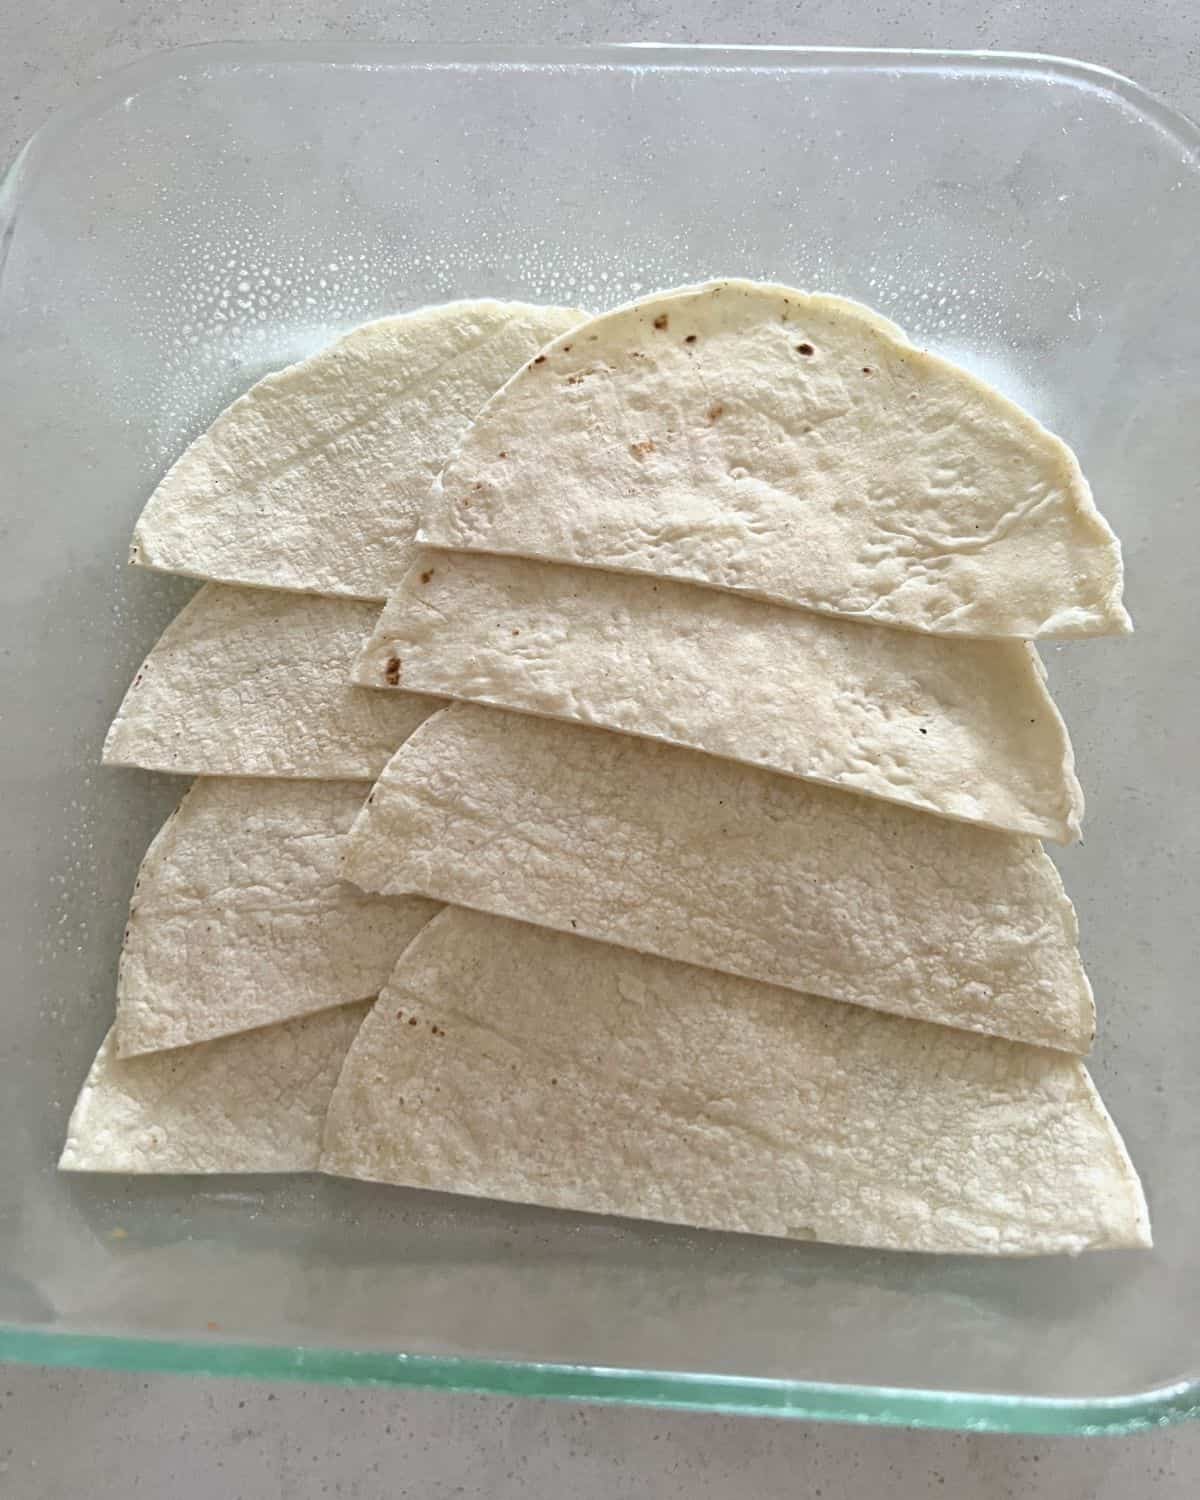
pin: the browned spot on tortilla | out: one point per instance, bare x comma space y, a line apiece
575, 379
566, 348
540, 360
391, 672
805, 349
691, 339
661, 322
716, 411
640, 450
867, 370
426, 575
504, 455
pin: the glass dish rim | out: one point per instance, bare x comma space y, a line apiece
720, 1393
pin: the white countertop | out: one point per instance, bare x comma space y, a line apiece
68, 1433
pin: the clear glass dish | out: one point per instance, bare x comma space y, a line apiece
204, 216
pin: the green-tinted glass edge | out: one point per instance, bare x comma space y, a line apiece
683, 1390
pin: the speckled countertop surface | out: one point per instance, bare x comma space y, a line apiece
68, 1433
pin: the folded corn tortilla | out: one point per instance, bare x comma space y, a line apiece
962, 728
239, 917
510, 1062
312, 479
255, 682
758, 439
671, 852
250, 1103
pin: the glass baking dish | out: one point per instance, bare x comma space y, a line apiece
202, 217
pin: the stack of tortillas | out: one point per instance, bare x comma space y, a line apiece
736, 815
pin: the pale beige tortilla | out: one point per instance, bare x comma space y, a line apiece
250, 1103
505, 1061
758, 439
671, 852
239, 918
962, 728
255, 682
312, 480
